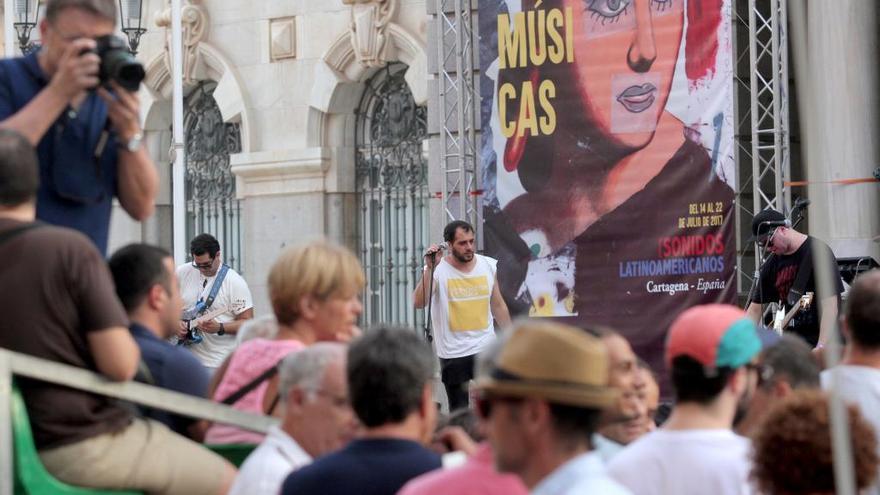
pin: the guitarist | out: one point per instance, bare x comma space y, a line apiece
788, 274
215, 285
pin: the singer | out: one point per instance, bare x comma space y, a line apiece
788, 274
465, 299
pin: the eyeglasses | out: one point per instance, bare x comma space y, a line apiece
203, 266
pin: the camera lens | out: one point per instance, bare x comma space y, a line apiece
118, 64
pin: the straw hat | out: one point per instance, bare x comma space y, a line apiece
551, 361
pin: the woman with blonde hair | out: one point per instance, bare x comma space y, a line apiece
315, 291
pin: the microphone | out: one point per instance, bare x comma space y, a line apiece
440, 247
802, 203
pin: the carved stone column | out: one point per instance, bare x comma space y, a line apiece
369, 25
194, 24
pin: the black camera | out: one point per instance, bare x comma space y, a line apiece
118, 64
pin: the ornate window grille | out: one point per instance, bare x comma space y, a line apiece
211, 206
392, 185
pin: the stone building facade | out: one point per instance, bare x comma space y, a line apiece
288, 78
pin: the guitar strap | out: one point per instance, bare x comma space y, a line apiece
215, 288
799, 285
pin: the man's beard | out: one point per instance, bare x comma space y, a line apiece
463, 258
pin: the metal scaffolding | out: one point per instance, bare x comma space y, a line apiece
763, 137
457, 102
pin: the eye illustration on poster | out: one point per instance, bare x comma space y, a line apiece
607, 159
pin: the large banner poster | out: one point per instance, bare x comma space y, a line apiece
608, 159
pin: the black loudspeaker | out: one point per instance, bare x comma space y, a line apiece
850, 268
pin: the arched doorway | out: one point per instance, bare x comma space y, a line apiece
211, 206
392, 187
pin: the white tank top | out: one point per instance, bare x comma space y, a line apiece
461, 315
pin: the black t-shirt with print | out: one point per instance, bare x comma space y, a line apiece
778, 275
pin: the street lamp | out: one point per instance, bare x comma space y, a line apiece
130, 17
26, 12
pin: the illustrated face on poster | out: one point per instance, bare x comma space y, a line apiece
625, 57
600, 108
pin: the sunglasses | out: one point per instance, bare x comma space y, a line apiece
483, 405
203, 266
765, 239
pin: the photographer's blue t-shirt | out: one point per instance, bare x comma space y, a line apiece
77, 157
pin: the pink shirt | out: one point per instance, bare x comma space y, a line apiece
477, 476
249, 361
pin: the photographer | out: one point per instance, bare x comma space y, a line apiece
88, 137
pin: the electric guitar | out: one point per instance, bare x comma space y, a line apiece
193, 319
207, 316
781, 319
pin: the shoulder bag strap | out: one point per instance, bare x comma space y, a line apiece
215, 288
9, 234
248, 387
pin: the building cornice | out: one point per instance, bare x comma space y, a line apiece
278, 172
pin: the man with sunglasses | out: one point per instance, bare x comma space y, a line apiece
788, 274
219, 299
88, 138
542, 402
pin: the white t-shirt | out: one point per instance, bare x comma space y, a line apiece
234, 296
263, 472
859, 385
462, 314
685, 462
583, 475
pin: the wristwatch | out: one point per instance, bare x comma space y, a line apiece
222, 330
135, 142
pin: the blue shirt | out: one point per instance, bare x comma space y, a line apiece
172, 368
373, 466
77, 174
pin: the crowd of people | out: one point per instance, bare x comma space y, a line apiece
550, 409
532, 406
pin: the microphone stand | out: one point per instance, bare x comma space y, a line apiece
429, 337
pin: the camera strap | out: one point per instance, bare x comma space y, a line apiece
9, 234
215, 288
101, 144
